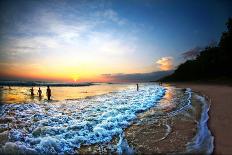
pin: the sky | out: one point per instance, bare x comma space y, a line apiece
98, 41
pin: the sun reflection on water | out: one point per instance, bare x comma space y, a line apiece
22, 94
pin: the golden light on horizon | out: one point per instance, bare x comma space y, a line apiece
75, 78
64, 73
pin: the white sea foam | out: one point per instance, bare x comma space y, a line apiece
62, 127
203, 140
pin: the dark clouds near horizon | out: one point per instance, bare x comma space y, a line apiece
138, 77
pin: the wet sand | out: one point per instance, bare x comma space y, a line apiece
149, 138
220, 97
146, 139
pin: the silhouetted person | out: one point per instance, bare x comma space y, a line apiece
39, 93
32, 91
48, 92
137, 86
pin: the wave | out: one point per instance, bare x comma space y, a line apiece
65, 126
203, 141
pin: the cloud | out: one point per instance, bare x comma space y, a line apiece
111, 43
79, 37
113, 16
51, 33
165, 63
192, 53
137, 77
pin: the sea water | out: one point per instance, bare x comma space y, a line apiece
65, 125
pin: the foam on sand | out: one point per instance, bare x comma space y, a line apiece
203, 140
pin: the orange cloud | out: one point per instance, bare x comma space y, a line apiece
165, 63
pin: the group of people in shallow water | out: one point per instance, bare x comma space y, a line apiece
48, 93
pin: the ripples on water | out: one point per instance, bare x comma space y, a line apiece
64, 126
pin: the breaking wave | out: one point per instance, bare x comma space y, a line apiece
62, 127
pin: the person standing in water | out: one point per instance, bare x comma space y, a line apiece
39, 93
137, 86
49, 92
32, 91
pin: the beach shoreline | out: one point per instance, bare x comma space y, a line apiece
220, 98
187, 130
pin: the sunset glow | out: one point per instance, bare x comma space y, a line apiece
81, 41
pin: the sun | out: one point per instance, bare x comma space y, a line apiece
75, 78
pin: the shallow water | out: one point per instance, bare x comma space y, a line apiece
71, 126
21, 94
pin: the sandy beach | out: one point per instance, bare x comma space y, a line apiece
220, 97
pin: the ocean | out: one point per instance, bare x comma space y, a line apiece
104, 118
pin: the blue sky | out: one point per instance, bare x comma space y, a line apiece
71, 39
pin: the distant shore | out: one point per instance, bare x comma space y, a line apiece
40, 83
220, 98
